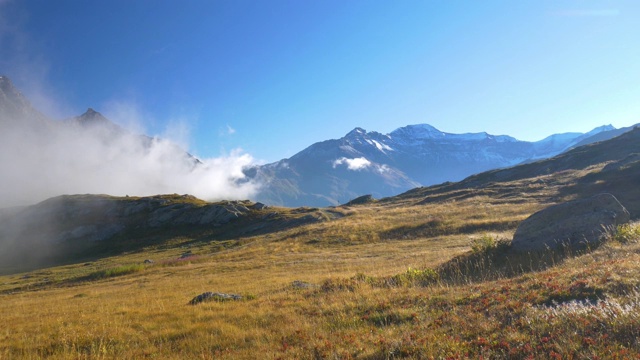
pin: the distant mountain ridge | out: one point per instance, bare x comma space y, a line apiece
326, 173
335, 171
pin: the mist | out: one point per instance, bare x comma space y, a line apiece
42, 159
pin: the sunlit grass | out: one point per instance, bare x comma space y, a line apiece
388, 280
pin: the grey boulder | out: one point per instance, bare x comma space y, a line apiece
577, 224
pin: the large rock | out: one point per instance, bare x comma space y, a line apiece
577, 224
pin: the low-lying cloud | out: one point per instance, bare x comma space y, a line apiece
58, 158
353, 164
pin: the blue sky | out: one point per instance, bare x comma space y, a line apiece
272, 77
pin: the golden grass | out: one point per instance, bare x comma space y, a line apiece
60, 313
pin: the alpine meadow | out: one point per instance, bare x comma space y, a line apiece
193, 179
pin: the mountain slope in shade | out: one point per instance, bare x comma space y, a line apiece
333, 172
609, 166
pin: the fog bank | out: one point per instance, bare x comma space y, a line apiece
84, 155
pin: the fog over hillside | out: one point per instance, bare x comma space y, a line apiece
42, 158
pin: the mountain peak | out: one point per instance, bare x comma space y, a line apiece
94, 119
5, 81
8, 90
418, 131
356, 132
600, 129
92, 116
90, 112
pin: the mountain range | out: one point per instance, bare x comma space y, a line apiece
326, 173
333, 172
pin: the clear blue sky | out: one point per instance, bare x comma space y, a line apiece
272, 77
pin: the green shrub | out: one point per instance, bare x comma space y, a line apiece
116, 271
484, 243
487, 243
626, 233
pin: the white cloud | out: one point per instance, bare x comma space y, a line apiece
353, 164
41, 163
178, 131
230, 130
383, 168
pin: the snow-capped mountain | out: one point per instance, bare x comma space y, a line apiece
335, 171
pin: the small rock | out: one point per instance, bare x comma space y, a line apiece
148, 261
214, 296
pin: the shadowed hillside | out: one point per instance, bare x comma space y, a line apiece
611, 166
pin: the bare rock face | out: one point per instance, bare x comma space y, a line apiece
577, 224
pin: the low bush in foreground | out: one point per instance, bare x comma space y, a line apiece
625, 233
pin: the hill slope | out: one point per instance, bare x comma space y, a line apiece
611, 166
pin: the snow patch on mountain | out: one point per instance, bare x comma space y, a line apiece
381, 147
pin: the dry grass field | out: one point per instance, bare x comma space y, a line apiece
393, 279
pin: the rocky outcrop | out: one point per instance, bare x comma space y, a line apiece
214, 296
101, 217
189, 214
578, 224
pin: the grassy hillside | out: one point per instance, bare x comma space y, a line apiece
385, 281
427, 274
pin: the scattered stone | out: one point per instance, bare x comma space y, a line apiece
298, 284
577, 224
214, 296
186, 255
148, 261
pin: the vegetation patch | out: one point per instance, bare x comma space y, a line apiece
115, 271
624, 234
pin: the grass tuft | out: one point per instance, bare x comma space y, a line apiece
624, 234
116, 271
